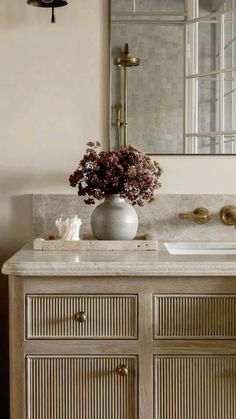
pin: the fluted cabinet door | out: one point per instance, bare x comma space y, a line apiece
81, 387
106, 316
195, 387
195, 316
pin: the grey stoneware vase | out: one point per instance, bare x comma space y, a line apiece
114, 219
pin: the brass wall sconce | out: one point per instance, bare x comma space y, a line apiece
52, 4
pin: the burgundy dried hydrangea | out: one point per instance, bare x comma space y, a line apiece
127, 172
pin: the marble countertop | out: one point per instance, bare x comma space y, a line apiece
28, 262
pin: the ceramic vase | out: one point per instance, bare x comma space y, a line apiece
114, 219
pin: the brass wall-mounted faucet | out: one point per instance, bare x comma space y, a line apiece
228, 215
199, 215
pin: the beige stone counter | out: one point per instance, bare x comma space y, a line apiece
28, 262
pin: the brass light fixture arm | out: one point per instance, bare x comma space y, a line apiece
199, 215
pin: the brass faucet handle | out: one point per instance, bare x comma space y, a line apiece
228, 215
199, 215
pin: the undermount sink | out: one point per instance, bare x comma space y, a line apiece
201, 248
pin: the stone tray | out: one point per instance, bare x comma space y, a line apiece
140, 243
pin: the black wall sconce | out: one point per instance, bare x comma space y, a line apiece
48, 4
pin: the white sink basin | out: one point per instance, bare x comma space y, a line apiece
201, 248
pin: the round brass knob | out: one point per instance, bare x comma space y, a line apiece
122, 370
228, 215
81, 317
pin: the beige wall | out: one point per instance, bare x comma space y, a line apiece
53, 98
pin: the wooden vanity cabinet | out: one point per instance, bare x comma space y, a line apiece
122, 348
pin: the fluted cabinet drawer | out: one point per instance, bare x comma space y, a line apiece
81, 316
195, 316
81, 387
194, 387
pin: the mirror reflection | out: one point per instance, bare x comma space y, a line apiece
177, 96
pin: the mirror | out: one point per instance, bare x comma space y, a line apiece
173, 76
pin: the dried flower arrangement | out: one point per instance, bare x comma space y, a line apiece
128, 172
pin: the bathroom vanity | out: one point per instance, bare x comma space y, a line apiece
122, 335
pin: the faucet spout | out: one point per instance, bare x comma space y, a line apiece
199, 215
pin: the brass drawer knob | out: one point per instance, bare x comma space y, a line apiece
81, 317
122, 370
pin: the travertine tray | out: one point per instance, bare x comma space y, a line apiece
145, 242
